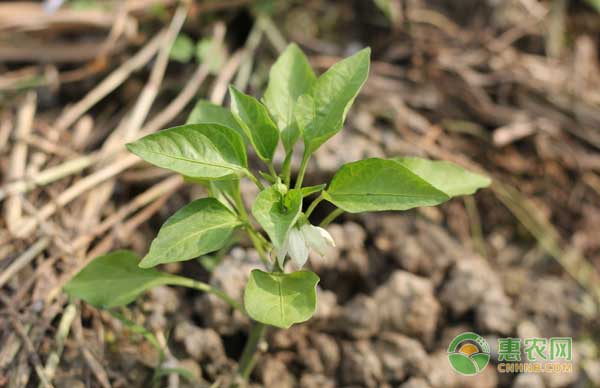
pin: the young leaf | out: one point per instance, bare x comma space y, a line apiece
290, 77
197, 150
254, 118
281, 299
182, 49
114, 280
322, 116
277, 213
445, 176
379, 184
211, 53
200, 227
308, 190
205, 112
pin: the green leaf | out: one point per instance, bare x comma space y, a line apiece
254, 118
182, 49
308, 190
277, 213
114, 280
198, 228
281, 299
196, 150
213, 54
380, 184
322, 115
205, 112
290, 77
445, 176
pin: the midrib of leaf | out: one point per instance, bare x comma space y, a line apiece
281, 310
226, 166
258, 140
154, 281
383, 195
217, 226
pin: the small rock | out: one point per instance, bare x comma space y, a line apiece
310, 358
328, 350
201, 344
401, 357
360, 365
469, 281
540, 305
406, 303
425, 248
274, 373
359, 317
494, 314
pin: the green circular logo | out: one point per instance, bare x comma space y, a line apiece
468, 354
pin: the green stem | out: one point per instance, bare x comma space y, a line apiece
286, 169
257, 241
201, 286
272, 170
248, 359
332, 216
256, 181
239, 204
313, 205
303, 165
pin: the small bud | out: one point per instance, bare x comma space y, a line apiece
280, 187
317, 238
298, 248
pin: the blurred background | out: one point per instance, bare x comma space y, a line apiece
510, 88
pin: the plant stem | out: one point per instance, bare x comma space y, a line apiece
256, 181
258, 245
239, 204
286, 168
272, 170
313, 205
248, 358
303, 165
201, 286
332, 216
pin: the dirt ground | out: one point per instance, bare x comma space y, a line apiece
508, 88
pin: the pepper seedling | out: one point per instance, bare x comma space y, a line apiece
211, 149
